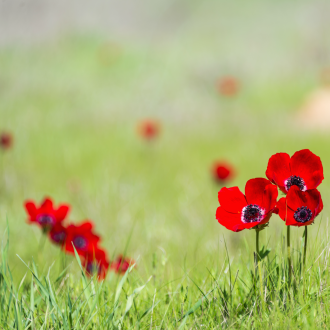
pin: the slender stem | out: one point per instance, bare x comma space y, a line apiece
256, 260
289, 253
305, 247
258, 266
304, 260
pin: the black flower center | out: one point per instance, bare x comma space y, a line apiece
252, 213
295, 181
45, 219
92, 268
59, 237
80, 242
303, 214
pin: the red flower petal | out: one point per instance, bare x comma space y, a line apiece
86, 226
287, 214
297, 198
269, 197
313, 181
231, 221
278, 169
254, 190
290, 220
61, 213
47, 205
31, 209
222, 171
121, 264
282, 208
314, 200
81, 231
320, 207
232, 199
308, 166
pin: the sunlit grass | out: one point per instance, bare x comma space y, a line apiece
226, 295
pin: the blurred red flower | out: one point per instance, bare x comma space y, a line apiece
303, 169
228, 86
82, 237
6, 140
222, 172
300, 208
121, 264
96, 262
46, 216
57, 234
238, 212
148, 129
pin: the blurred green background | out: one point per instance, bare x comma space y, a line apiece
75, 81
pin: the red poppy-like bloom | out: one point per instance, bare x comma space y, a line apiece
148, 129
238, 212
228, 86
46, 216
96, 262
82, 237
6, 140
303, 169
57, 234
121, 264
299, 208
222, 172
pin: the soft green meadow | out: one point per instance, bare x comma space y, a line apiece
73, 105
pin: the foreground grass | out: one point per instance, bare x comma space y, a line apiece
228, 297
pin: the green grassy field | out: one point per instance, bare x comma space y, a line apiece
73, 106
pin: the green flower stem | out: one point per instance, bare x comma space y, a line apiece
258, 266
305, 247
289, 253
256, 260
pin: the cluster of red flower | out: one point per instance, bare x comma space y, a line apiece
297, 177
85, 241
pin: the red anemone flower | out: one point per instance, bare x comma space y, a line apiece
96, 262
121, 264
6, 140
222, 172
299, 208
303, 169
148, 129
228, 86
238, 212
58, 234
46, 216
82, 237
